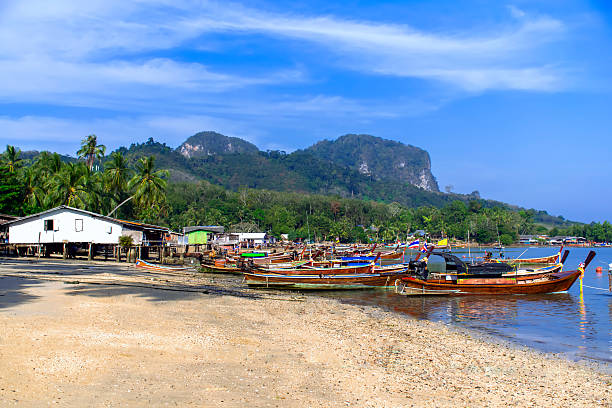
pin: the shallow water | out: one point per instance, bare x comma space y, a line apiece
576, 324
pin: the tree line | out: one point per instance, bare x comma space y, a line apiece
137, 190
31, 186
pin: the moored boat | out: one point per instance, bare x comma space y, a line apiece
530, 261
323, 281
496, 285
160, 268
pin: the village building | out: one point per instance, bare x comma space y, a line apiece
4, 219
202, 234
64, 229
528, 239
244, 239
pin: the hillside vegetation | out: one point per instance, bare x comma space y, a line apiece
300, 194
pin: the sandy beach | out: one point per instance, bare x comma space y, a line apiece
79, 334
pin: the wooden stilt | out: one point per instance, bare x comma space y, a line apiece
65, 248
90, 252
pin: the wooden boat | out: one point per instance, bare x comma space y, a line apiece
159, 268
221, 265
313, 270
323, 281
500, 285
404, 290
391, 255
541, 260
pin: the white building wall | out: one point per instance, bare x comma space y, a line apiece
257, 237
96, 230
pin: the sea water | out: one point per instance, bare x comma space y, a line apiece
576, 324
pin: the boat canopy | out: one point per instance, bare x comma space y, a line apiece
456, 265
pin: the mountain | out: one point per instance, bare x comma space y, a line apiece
211, 143
335, 168
234, 163
379, 158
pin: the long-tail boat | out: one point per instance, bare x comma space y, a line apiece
491, 283
319, 281
160, 268
529, 261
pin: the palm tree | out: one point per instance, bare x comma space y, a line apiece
33, 193
49, 164
12, 159
117, 173
90, 150
96, 199
148, 185
68, 186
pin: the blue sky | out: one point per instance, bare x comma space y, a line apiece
510, 98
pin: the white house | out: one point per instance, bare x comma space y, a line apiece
252, 238
66, 224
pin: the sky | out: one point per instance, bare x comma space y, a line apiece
513, 99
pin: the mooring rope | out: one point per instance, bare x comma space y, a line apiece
593, 287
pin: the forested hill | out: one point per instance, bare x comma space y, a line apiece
379, 158
211, 143
213, 162
233, 164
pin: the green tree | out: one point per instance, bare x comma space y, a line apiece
117, 173
10, 192
12, 159
67, 187
148, 185
33, 193
90, 150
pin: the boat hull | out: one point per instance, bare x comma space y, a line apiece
159, 268
559, 282
322, 282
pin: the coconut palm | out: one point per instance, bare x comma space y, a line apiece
96, 199
117, 173
90, 150
48, 164
68, 186
33, 194
11, 158
148, 185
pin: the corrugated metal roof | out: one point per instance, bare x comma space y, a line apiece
208, 228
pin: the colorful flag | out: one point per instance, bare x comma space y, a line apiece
424, 250
414, 244
443, 242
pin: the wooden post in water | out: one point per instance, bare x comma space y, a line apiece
65, 255
90, 252
118, 253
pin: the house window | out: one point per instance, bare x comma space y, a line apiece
48, 225
78, 224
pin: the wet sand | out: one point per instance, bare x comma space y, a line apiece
86, 344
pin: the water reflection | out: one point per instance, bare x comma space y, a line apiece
576, 323
557, 322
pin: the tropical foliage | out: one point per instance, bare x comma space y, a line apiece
133, 187
29, 186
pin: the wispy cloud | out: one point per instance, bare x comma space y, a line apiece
505, 58
98, 47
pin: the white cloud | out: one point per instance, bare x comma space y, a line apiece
506, 59
96, 46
